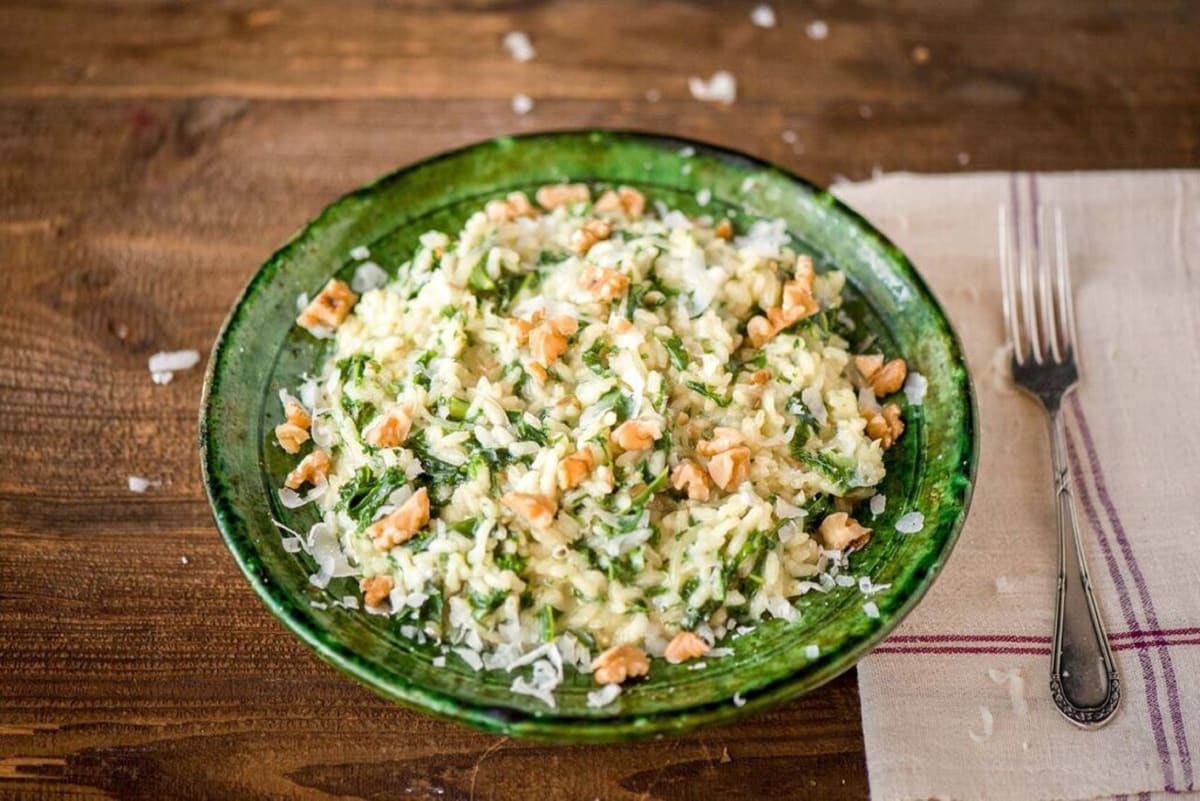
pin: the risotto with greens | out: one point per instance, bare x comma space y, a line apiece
587, 432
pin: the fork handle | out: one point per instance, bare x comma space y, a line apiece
1083, 676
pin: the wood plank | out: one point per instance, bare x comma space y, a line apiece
153, 154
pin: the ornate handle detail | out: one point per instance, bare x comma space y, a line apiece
1083, 677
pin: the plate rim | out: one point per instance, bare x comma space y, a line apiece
517, 722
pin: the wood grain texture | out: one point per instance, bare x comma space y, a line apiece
152, 154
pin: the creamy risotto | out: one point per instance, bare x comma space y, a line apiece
586, 432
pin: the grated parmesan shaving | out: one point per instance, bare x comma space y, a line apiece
139, 484
519, 46
604, 696
368, 276
522, 104
763, 16
988, 723
915, 387
911, 523
720, 88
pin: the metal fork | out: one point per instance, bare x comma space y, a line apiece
1039, 316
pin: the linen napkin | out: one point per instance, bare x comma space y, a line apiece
956, 703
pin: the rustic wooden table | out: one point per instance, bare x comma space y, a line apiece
153, 154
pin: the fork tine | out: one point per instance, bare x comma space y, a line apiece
1066, 301
1025, 257
1011, 325
1046, 291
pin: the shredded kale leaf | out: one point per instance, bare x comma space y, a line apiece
839, 471
677, 352
511, 561
806, 425
362, 495
596, 359
617, 400
420, 370
526, 430
484, 603
354, 368
696, 386
642, 498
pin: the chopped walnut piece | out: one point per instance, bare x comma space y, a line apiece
589, 234
730, 468
884, 379
689, 475
604, 283
841, 532
552, 196
312, 468
522, 328
760, 330
622, 326
684, 646
624, 200
538, 372
575, 468
886, 425
636, 435
760, 376
564, 325
868, 365
392, 430
536, 510
619, 663
515, 205
295, 413
724, 230
376, 589
804, 273
798, 302
290, 437
401, 525
546, 345
890, 377
329, 308
723, 439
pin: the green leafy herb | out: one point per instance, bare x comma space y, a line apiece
361, 412
546, 617
464, 526
484, 603
839, 471
455, 408
617, 400
550, 257
696, 386
595, 359
353, 368
362, 495
677, 352
420, 370
736, 365
528, 431
806, 425
511, 561
479, 280
643, 497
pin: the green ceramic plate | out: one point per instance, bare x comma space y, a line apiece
931, 470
